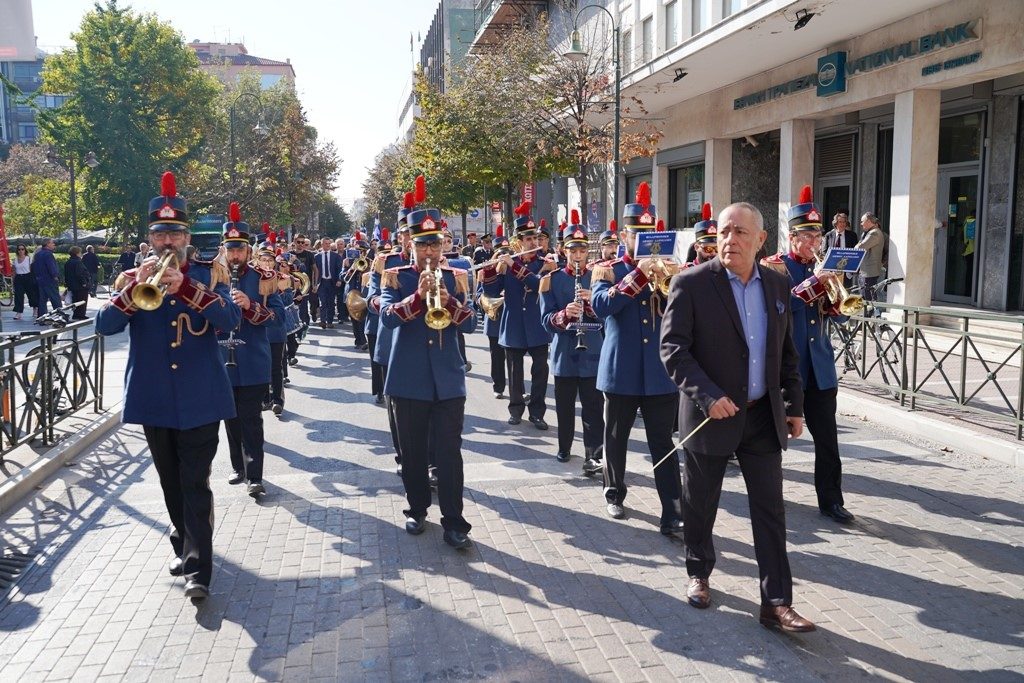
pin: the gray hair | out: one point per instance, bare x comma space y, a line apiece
754, 211
870, 218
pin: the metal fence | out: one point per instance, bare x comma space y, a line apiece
969, 361
45, 377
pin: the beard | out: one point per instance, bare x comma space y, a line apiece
180, 252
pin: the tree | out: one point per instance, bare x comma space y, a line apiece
43, 208
382, 194
137, 97
334, 220
24, 162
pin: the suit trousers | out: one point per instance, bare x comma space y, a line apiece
441, 422
497, 365
592, 409
326, 293
80, 311
538, 381
761, 462
245, 432
308, 303
340, 307
358, 330
183, 458
392, 425
659, 415
376, 369
277, 374
820, 416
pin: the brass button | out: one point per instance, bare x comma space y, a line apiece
645, 340
430, 341
173, 302
524, 308
174, 366
174, 345
174, 323
812, 322
645, 321
812, 338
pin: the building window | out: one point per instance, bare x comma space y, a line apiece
697, 13
27, 132
685, 196
960, 138
731, 7
647, 28
27, 70
671, 24
627, 50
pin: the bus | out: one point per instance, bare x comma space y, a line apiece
207, 234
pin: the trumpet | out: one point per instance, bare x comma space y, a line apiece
840, 298
437, 317
149, 295
661, 280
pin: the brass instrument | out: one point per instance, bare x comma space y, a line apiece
437, 317
356, 305
149, 295
231, 342
304, 282
661, 278
839, 296
491, 306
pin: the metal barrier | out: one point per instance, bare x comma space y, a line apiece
913, 360
46, 376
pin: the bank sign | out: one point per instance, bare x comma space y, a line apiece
834, 68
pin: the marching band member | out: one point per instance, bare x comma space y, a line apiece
277, 335
521, 330
491, 307
453, 259
373, 317
609, 242
484, 252
354, 283
426, 379
574, 353
705, 238
631, 373
290, 289
817, 359
250, 372
173, 360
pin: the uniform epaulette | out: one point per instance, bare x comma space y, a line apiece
776, 263
378, 265
390, 277
124, 279
365, 280
603, 272
545, 284
268, 280
219, 273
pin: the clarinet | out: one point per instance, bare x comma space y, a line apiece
231, 342
580, 332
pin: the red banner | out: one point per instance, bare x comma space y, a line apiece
5, 255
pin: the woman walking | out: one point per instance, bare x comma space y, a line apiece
24, 283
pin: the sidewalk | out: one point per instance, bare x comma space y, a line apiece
320, 581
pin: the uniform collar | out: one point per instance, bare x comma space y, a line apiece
796, 258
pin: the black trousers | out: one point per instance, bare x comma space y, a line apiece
820, 416
326, 293
462, 346
309, 308
761, 461
291, 349
277, 373
358, 327
392, 425
497, 365
342, 309
376, 369
441, 422
245, 432
83, 296
592, 407
538, 381
183, 458
25, 286
659, 414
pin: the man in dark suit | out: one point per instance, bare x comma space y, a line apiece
727, 344
841, 236
328, 264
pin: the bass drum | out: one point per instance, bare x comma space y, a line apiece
292, 321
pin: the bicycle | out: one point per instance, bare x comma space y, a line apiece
65, 395
847, 342
6, 290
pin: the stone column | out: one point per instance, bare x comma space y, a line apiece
796, 169
718, 174
867, 190
915, 155
997, 202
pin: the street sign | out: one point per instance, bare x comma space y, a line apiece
474, 213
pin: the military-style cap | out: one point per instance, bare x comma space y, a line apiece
706, 229
611, 235
524, 224
805, 216
641, 215
236, 233
168, 212
575, 233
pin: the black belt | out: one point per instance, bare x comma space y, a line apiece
751, 404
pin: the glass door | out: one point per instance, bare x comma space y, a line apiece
957, 233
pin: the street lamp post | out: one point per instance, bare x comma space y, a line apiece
259, 129
92, 162
578, 54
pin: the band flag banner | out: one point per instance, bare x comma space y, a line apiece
840, 260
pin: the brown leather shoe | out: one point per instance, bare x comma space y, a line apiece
698, 593
785, 618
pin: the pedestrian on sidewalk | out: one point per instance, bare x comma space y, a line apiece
25, 285
726, 342
92, 266
426, 378
873, 241
44, 266
77, 282
176, 385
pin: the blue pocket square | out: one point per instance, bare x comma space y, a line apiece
780, 306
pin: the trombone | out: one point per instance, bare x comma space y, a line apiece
149, 295
437, 317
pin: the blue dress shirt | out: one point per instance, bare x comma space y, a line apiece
754, 317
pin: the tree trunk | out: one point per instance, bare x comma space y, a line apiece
465, 212
507, 218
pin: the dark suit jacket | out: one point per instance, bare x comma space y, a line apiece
704, 351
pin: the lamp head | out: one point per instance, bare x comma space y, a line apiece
802, 19
575, 52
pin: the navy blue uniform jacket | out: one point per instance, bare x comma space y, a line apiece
521, 327
253, 357
558, 290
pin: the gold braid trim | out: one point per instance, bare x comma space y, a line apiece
389, 279
461, 281
268, 285
545, 284
378, 265
605, 273
185, 322
365, 280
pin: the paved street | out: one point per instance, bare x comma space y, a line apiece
320, 581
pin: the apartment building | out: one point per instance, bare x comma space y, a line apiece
227, 61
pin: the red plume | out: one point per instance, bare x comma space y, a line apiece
643, 194
384, 234
499, 231
805, 195
281, 234
420, 190
168, 186
574, 217
279, 251
359, 235
612, 225
266, 228
523, 209
234, 213
705, 214
272, 238
543, 223
660, 227
409, 201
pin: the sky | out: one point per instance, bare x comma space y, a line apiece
351, 57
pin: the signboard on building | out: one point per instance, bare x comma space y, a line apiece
17, 34
832, 74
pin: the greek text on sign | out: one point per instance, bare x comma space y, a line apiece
839, 260
655, 244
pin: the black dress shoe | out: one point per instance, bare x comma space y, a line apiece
432, 477
499, 394
539, 423
415, 525
277, 409
379, 399
176, 567
562, 456
364, 347
255, 488
592, 467
616, 511
196, 590
513, 420
838, 513
286, 381
293, 361
267, 405
236, 478
673, 527
457, 539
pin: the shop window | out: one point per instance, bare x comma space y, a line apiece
671, 24
686, 196
960, 138
633, 182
